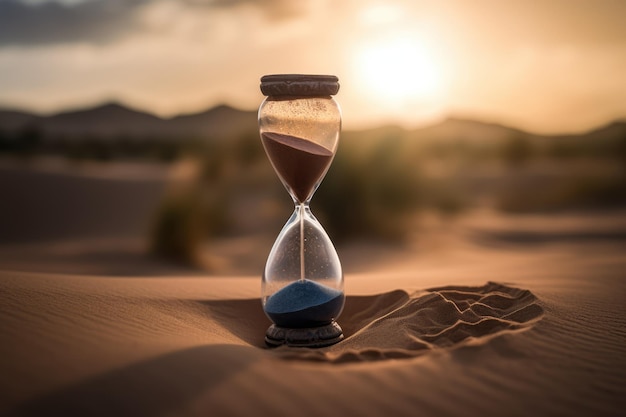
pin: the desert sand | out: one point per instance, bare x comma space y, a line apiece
488, 315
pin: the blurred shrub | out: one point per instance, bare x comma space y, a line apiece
612, 147
201, 209
369, 194
374, 190
178, 230
247, 149
186, 218
444, 195
517, 150
24, 142
579, 191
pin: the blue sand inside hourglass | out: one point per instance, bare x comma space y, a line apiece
304, 303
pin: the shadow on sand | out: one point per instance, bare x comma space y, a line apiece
392, 325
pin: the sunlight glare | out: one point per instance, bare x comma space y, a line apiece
380, 14
398, 69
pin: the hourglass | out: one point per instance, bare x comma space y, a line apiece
302, 285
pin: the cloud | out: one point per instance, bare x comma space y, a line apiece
274, 9
41, 22
53, 22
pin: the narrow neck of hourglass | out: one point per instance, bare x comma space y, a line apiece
299, 203
297, 195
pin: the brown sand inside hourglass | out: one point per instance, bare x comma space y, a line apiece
300, 163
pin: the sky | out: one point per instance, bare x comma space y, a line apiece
546, 66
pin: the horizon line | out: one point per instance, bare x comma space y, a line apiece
451, 116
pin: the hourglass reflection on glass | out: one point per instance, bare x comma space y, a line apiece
302, 285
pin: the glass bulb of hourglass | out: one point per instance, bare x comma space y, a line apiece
299, 163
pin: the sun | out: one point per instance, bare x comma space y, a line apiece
397, 69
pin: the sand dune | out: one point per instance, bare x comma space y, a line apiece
483, 316
397, 325
549, 341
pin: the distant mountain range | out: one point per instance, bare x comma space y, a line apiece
456, 130
116, 121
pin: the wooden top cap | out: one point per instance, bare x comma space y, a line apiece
299, 85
